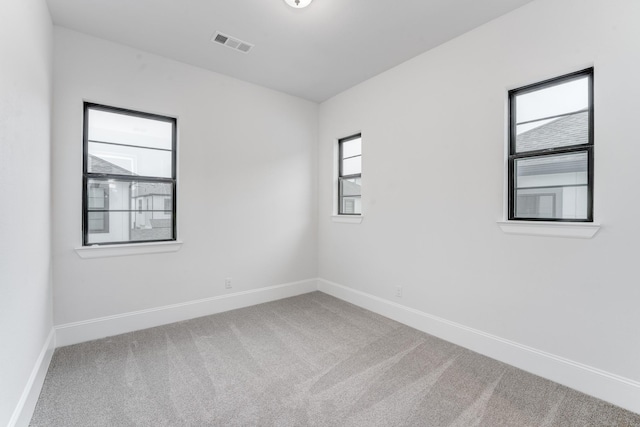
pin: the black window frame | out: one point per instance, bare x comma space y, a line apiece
572, 149
86, 175
342, 177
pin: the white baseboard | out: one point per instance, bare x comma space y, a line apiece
27, 403
87, 330
612, 388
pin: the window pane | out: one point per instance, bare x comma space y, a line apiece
120, 128
98, 196
134, 227
154, 195
116, 159
537, 124
350, 187
139, 200
352, 166
560, 132
135, 211
351, 205
562, 98
553, 187
352, 148
117, 193
98, 222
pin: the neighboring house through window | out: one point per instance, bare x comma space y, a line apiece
551, 149
98, 201
129, 169
350, 175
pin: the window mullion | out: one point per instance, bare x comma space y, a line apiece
551, 152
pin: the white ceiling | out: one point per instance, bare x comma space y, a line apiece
314, 53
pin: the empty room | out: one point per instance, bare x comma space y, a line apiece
319, 212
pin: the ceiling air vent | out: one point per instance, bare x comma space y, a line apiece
231, 42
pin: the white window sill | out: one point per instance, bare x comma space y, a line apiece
105, 251
347, 219
578, 230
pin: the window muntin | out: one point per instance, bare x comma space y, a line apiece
130, 157
551, 150
350, 175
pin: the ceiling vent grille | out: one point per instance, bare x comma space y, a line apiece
231, 42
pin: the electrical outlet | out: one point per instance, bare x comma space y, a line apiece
399, 291
227, 283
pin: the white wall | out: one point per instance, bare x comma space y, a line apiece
25, 254
247, 169
248, 204
434, 133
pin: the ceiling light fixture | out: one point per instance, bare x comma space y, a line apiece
298, 4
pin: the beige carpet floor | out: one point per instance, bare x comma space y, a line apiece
311, 360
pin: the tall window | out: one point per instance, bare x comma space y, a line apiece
129, 157
551, 149
350, 175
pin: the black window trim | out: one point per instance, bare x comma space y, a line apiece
86, 175
579, 148
342, 177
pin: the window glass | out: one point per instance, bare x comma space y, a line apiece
142, 202
552, 187
350, 187
126, 160
554, 100
118, 128
144, 229
351, 148
554, 116
352, 166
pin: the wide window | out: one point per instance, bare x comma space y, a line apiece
129, 179
551, 149
350, 175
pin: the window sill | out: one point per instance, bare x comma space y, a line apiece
578, 230
347, 219
97, 251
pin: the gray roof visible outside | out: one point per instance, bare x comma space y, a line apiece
156, 188
98, 165
562, 132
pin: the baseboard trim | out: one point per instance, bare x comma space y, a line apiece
87, 330
618, 390
27, 403
609, 387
